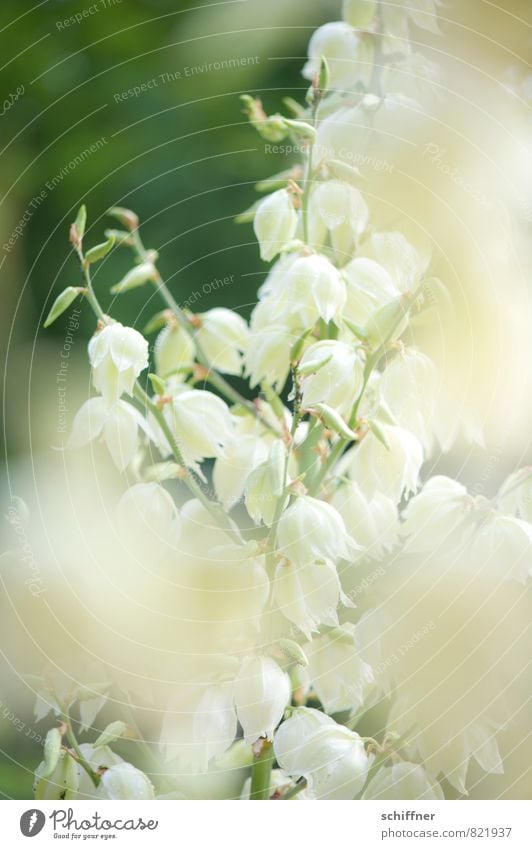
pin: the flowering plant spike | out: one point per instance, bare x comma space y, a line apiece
320, 572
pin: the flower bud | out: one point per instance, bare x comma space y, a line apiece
111, 733
331, 757
275, 223
337, 382
223, 336
174, 350
52, 750
117, 355
62, 303
138, 276
124, 781
346, 54
61, 783
262, 691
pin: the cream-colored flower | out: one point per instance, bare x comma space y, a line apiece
223, 336
338, 209
340, 678
331, 757
337, 378
371, 522
348, 56
275, 223
174, 350
391, 470
117, 355
261, 692
308, 595
118, 424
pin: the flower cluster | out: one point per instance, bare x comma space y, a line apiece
296, 495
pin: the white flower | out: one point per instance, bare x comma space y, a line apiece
339, 676
331, 757
119, 424
446, 640
405, 265
223, 336
298, 291
391, 471
515, 495
441, 514
261, 691
201, 423
311, 530
124, 781
504, 543
337, 208
275, 223
264, 486
403, 781
369, 288
372, 523
338, 377
174, 349
201, 726
308, 595
409, 388
117, 355
242, 454
147, 518
268, 355
347, 55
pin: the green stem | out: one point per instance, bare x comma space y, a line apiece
74, 745
261, 772
295, 790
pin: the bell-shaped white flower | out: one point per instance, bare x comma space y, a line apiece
264, 486
338, 376
261, 691
268, 355
117, 355
311, 530
275, 223
242, 454
200, 726
409, 388
338, 209
504, 544
391, 469
223, 336
403, 262
340, 678
440, 515
515, 495
369, 288
331, 757
148, 519
119, 424
347, 55
308, 595
403, 781
372, 522
313, 289
124, 781
174, 350
201, 423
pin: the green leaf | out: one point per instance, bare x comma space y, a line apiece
293, 651
62, 303
99, 251
156, 322
248, 214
